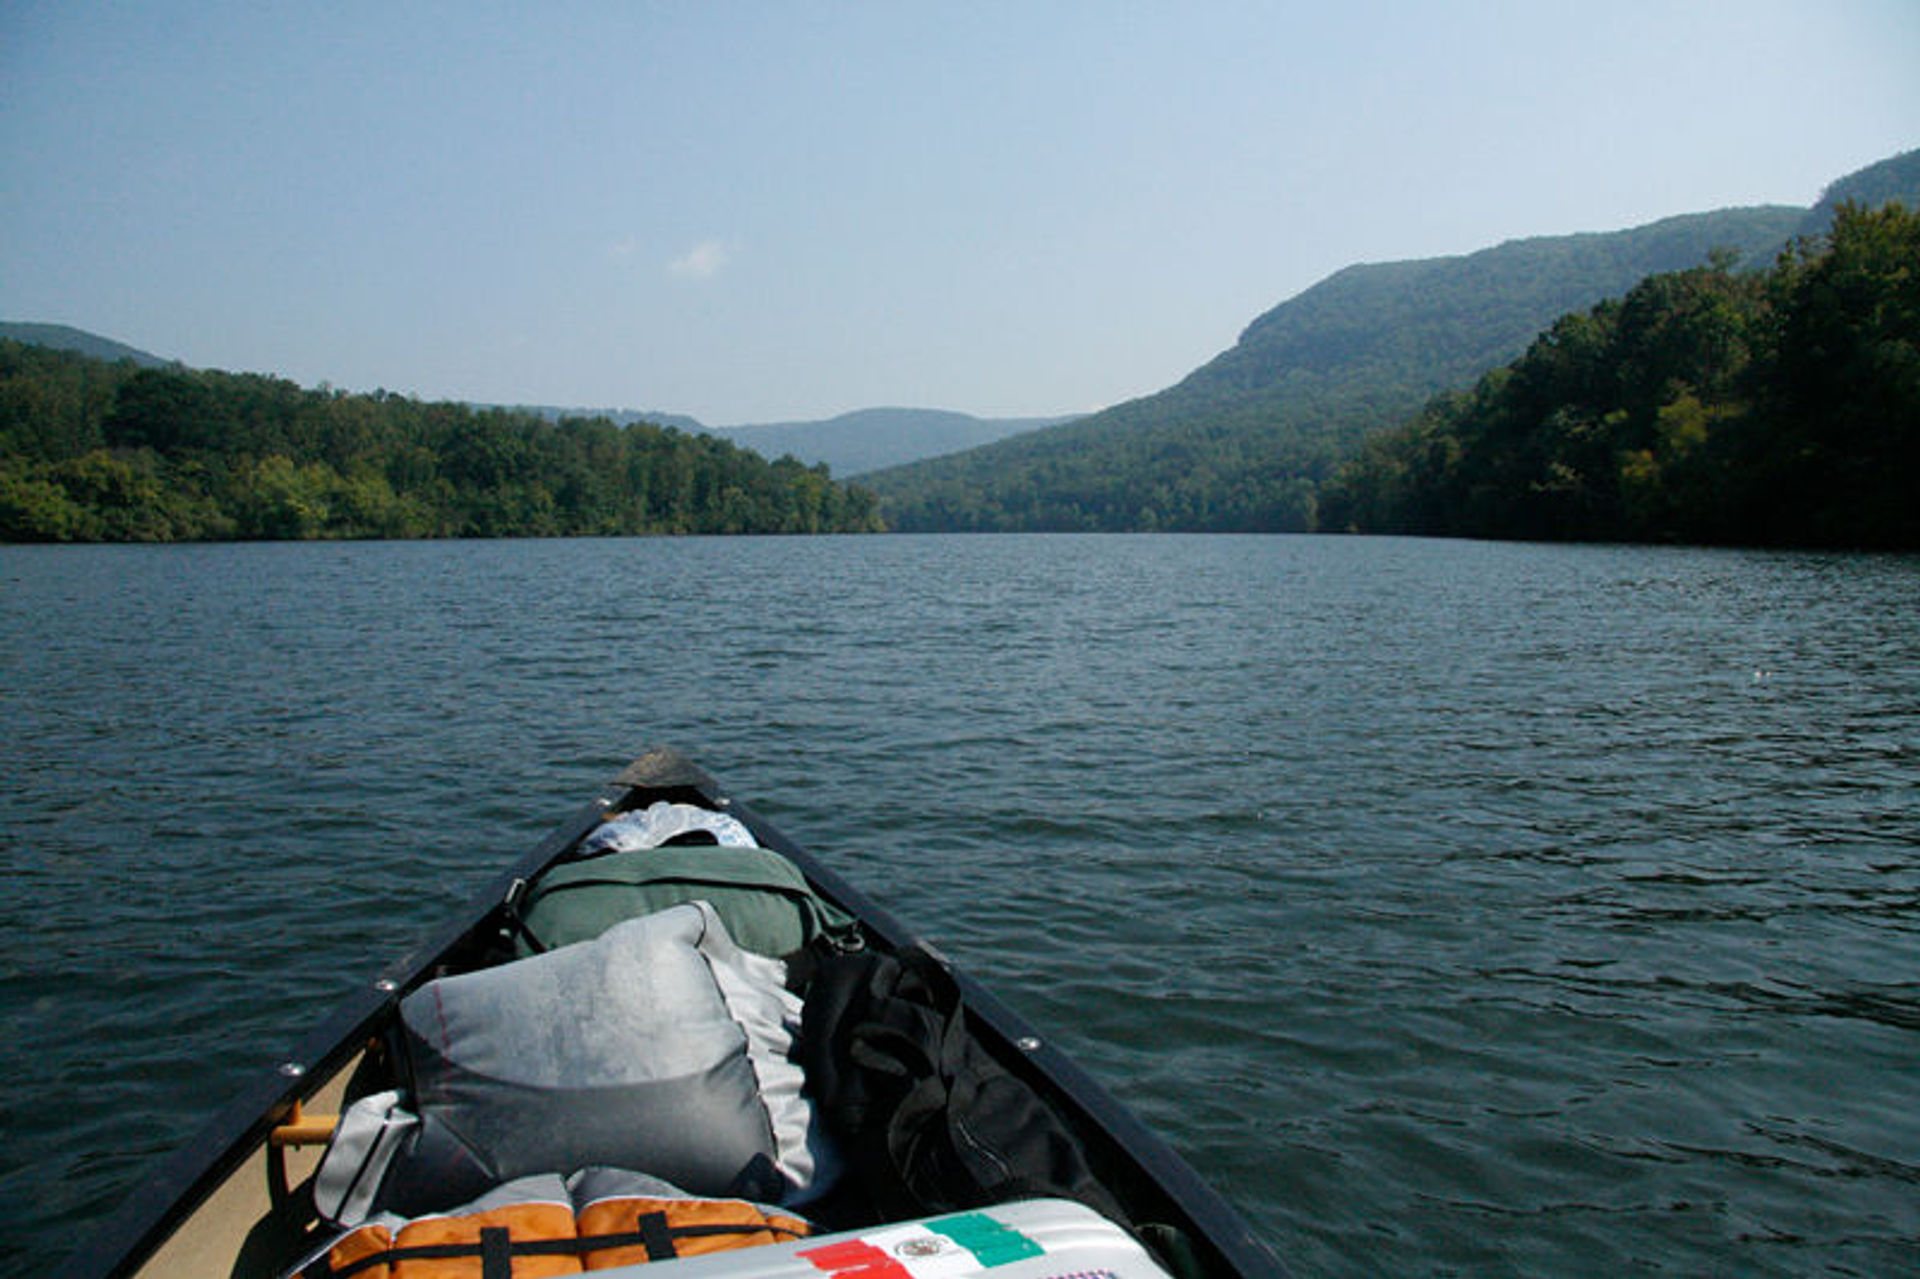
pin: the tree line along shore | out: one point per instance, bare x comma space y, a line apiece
109, 452
1706, 405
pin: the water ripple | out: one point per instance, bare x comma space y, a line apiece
1455, 907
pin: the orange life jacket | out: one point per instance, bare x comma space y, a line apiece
537, 1240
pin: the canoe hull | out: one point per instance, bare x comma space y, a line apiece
229, 1195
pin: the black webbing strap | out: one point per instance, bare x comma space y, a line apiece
497, 1247
496, 1253
657, 1236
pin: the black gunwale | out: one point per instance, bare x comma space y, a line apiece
1159, 1179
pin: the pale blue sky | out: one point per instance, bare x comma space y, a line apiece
750, 212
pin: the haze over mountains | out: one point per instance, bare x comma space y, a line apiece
849, 444
1244, 441
870, 439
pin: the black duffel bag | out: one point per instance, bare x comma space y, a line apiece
927, 1119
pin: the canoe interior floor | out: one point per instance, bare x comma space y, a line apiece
236, 1233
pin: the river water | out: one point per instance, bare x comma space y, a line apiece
1454, 907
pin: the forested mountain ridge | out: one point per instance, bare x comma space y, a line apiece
1895, 178
111, 452
849, 444
1707, 406
1245, 441
64, 337
1248, 441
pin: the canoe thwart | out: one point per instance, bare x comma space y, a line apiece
302, 1129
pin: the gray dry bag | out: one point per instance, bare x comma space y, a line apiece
659, 1046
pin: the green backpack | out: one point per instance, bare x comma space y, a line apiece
761, 896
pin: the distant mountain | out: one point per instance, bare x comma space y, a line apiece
1875, 185
869, 439
619, 417
1242, 442
61, 337
853, 443
850, 444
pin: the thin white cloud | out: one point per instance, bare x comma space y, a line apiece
702, 262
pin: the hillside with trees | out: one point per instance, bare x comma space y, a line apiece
1246, 441
1707, 405
98, 451
1266, 437
64, 337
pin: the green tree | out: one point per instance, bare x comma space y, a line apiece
1704, 405
1846, 387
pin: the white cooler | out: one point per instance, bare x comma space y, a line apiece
1031, 1239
